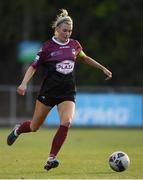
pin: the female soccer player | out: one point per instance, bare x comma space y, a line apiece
57, 56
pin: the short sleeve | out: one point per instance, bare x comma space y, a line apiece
78, 47
39, 59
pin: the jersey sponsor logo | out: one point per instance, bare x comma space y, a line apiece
40, 49
57, 53
37, 58
43, 97
65, 67
63, 47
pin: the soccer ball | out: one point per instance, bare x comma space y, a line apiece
119, 161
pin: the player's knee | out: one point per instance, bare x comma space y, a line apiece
33, 128
66, 123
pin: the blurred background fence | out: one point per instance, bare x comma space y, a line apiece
99, 107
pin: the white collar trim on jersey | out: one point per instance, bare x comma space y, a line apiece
53, 38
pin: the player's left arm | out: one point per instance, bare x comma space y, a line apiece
95, 64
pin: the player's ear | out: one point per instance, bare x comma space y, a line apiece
57, 29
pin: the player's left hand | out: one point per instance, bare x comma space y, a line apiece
107, 73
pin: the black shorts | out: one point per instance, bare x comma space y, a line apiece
57, 88
52, 101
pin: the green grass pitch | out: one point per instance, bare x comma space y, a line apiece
84, 155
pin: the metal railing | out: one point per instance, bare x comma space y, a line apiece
15, 108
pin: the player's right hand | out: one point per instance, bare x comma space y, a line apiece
21, 89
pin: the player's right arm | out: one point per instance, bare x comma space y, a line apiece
28, 75
31, 71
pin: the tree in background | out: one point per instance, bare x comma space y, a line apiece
109, 30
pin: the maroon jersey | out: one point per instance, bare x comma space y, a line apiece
58, 60
59, 57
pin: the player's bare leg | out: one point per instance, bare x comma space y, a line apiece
40, 113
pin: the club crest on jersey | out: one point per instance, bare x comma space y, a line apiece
65, 67
73, 51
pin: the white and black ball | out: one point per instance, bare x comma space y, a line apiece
119, 161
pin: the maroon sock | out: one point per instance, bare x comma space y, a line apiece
24, 127
58, 140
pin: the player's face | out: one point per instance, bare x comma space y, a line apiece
64, 31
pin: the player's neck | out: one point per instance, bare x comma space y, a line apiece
58, 41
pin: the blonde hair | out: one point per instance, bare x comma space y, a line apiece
63, 17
